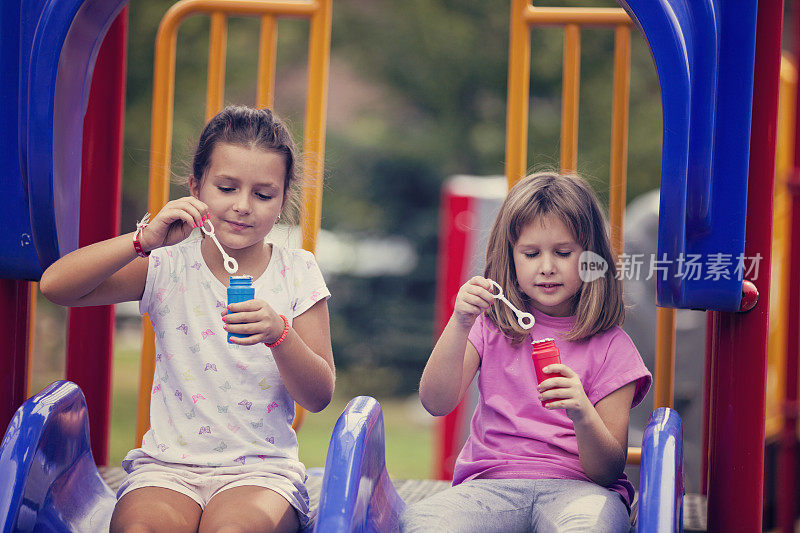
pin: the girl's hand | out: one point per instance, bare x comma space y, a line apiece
567, 390
174, 223
473, 298
254, 318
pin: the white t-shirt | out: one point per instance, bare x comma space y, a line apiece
215, 403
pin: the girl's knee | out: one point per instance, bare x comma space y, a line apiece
421, 517
592, 513
570, 506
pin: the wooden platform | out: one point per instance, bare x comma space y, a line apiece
414, 490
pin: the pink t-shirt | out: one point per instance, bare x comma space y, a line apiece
511, 434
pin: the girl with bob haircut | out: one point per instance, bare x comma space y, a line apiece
546, 456
598, 305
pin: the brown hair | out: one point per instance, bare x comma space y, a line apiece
598, 304
251, 128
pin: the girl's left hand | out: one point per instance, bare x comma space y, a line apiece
254, 318
566, 390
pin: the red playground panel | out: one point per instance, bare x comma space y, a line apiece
469, 206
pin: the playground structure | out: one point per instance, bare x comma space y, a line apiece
356, 490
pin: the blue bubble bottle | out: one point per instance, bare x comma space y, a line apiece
240, 290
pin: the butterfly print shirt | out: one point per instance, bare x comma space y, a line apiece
214, 403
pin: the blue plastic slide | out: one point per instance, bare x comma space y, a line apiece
357, 494
50, 481
661, 474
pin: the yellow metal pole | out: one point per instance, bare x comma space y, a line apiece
780, 276
267, 61
619, 135
160, 153
215, 92
570, 81
585, 16
314, 130
32, 297
285, 8
519, 65
319, 49
634, 455
663, 394
147, 368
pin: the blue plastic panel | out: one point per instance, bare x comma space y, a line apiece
50, 482
62, 54
18, 258
703, 51
661, 474
48, 49
357, 494
719, 226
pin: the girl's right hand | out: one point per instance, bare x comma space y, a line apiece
473, 298
174, 223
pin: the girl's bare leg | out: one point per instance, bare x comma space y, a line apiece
249, 508
154, 509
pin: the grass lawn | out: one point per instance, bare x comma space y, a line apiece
409, 435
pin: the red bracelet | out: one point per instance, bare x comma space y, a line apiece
139, 227
283, 335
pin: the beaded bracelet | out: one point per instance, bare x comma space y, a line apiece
283, 335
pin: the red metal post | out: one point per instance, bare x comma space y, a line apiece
15, 328
787, 492
736, 439
453, 248
91, 329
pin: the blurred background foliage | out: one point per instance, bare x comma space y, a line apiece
417, 94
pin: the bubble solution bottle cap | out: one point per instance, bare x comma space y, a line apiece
241, 280
544, 353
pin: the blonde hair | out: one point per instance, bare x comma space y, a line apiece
598, 304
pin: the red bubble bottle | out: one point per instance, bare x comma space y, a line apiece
544, 353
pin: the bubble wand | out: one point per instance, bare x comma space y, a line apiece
229, 262
525, 320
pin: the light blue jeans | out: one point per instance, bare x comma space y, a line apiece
507, 505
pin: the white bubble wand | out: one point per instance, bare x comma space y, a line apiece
525, 320
230, 263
